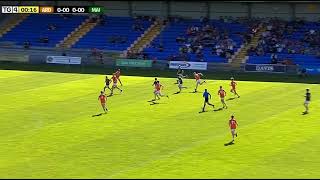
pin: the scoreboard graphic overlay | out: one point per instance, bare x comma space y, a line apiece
52, 9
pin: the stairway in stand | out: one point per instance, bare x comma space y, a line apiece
12, 22
152, 32
77, 34
241, 56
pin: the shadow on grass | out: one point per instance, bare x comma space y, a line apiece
95, 115
154, 103
113, 95
230, 99
304, 113
220, 109
229, 143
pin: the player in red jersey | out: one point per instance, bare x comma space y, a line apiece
103, 100
233, 85
222, 93
197, 76
118, 73
115, 83
233, 126
157, 91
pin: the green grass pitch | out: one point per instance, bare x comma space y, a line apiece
47, 129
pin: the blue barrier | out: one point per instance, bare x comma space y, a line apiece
311, 69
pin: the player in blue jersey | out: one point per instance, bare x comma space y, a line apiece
206, 96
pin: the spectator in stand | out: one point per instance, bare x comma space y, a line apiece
94, 52
204, 20
200, 56
180, 39
287, 62
52, 27
124, 39
137, 25
302, 72
101, 57
161, 48
102, 20
274, 59
44, 39
26, 44
93, 19
318, 54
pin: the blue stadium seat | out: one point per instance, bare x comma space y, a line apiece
36, 26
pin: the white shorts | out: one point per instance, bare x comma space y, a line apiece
233, 130
115, 84
307, 102
198, 81
180, 86
157, 92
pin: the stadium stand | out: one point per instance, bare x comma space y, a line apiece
33, 29
116, 34
166, 46
297, 41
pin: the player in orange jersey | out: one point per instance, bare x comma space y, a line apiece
157, 91
233, 126
102, 97
115, 83
118, 73
197, 76
233, 85
222, 93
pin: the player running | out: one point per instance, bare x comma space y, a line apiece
206, 96
233, 85
233, 126
102, 97
157, 91
180, 86
107, 84
118, 73
197, 76
222, 93
307, 101
155, 82
115, 84
180, 72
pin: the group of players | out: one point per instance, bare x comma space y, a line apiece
197, 75
114, 80
180, 75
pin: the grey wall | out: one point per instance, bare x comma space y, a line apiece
147, 7
310, 11
218, 9
281, 10
115, 8
188, 9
